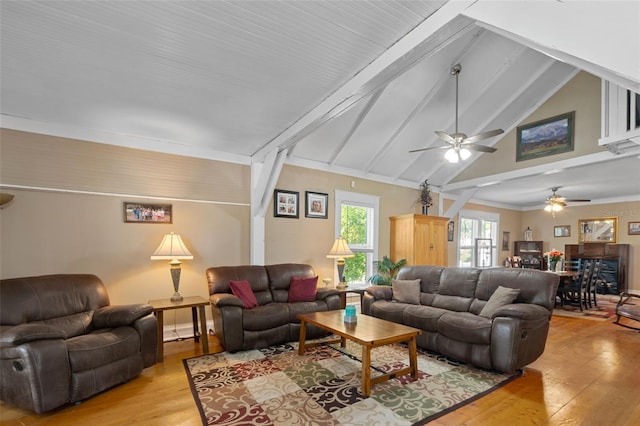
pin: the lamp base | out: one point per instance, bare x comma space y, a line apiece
177, 297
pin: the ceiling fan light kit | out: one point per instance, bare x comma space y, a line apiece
556, 203
460, 145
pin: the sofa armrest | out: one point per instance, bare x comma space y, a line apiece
22, 333
119, 315
323, 293
380, 292
219, 300
523, 311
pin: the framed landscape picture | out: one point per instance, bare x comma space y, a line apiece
285, 203
147, 213
316, 204
545, 137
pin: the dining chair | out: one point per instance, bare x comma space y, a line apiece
593, 282
573, 265
577, 291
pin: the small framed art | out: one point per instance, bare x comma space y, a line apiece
562, 231
505, 240
316, 204
147, 213
634, 228
285, 203
450, 229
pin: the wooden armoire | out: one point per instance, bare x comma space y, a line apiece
420, 239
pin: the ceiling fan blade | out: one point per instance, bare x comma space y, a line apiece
428, 148
480, 148
445, 137
483, 135
576, 200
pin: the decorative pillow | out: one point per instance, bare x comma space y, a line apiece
242, 290
502, 296
406, 291
303, 289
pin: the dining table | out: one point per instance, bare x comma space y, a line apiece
566, 277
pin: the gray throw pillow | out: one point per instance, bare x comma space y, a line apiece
502, 296
406, 291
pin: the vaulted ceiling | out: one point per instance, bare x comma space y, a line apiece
343, 86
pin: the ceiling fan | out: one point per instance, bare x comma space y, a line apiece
459, 144
556, 202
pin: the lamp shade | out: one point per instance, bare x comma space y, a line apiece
171, 248
340, 250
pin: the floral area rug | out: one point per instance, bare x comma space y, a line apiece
605, 310
276, 386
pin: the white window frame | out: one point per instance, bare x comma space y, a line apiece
478, 215
361, 200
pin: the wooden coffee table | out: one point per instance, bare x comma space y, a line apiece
369, 332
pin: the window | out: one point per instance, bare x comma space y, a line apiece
475, 229
357, 222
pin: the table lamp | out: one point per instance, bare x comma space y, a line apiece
339, 251
172, 248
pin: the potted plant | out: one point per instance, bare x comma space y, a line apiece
387, 271
425, 199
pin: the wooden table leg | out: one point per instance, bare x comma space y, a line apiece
413, 357
303, 337
160, 336
366, 370
194, 320
203, 326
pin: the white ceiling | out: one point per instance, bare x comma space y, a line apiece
344, 86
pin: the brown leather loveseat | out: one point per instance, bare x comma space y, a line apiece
273, 321
470, 315
62, 342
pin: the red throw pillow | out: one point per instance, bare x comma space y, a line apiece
303, 289
242, 290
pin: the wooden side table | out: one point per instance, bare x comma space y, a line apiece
193, 302
342, 292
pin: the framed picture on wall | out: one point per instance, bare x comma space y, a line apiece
562, 231
316, 204
598, 230
505, 240
550, 136
285, 203
634, 228
450, 228
147, 213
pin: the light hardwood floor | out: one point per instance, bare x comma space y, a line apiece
588, 375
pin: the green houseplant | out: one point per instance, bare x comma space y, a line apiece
387, 271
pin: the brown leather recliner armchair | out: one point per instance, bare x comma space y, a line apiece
62, 342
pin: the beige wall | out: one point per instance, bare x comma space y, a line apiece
582, 95
308, 240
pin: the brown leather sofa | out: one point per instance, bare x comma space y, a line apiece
62, 342
274, 320
451, 301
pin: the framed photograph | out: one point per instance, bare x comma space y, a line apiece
450, 227
598, 230
634, 228
285, 203
316, 204
505, 240
147, 213
545, 137
562, 231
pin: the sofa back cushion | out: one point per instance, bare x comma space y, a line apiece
536, 287
65, 301
457, 289
280, 278
218, 278
429, 277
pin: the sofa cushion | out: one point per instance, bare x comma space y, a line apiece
406, 291
102, 347
303, 289
265, 317
242, 290
423, 317
465, 327
501, 297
